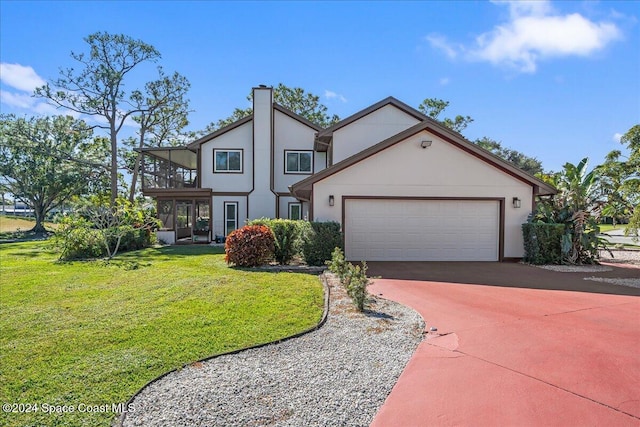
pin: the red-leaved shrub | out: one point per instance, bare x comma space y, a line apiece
249, 246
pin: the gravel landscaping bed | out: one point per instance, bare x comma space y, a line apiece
339, 374
621, 256
634, 283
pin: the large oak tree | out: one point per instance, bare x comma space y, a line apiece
45, 161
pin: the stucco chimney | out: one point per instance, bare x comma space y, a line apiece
262, 199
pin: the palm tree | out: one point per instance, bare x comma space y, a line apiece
578, 207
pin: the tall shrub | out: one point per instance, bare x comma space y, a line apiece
249, 246
543, 243
353, 278
286, 233
320, 239
75, 238
338, 264
577, 207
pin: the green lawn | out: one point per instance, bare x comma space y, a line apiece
13, 227
605, 228
91, 333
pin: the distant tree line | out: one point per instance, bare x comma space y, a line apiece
46, 161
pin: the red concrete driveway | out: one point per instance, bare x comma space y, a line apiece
536, 355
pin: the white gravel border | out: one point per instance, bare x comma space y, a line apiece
337, 375
619, 257
633, 283
576, 268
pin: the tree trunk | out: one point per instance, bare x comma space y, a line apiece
114, 163
40, 215
134, 175
134, 178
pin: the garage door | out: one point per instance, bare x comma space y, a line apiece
421, 230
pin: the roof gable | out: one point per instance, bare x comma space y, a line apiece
198, 142
296, 116
303, 188
324, 137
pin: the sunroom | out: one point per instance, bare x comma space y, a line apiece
169, 175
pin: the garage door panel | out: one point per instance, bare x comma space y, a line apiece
421, 230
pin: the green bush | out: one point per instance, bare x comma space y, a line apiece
100, 230
249, 246
286, 233
132, 238
356, 283
543, 243
76, 239
353, 278
320, 239
338, 264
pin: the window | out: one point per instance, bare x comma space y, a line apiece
298, 162
295, 211
165, 214
229, 161
230, 217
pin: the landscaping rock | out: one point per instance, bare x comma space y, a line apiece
337, 375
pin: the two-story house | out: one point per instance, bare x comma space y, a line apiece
402, 186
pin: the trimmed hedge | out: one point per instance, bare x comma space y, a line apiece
320, 239
287, 234
249, 246
543, 243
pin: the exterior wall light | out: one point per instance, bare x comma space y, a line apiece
426, 144
517, 203
332, 200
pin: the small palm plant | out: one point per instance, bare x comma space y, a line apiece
578, 208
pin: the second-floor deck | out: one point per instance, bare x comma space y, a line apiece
169, 168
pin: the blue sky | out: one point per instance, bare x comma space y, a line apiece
556, 80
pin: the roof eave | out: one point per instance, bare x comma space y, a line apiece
297, 117
328, 132
443, 132
198, 142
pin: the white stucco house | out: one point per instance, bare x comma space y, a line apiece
403, 186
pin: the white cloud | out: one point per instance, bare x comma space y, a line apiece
18, 100
444, 81
332, 95
617, 136
534, 32
440, 42
526, 8
23, 78
24, 101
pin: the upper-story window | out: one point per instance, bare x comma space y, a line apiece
227, 161
300, 162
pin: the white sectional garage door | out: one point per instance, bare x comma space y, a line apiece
421, 230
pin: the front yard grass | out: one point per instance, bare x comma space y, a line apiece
93, 333
13, 227
605, 228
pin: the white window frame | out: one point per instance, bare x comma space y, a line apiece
227, 219
227, 150
299, 206
297, 172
